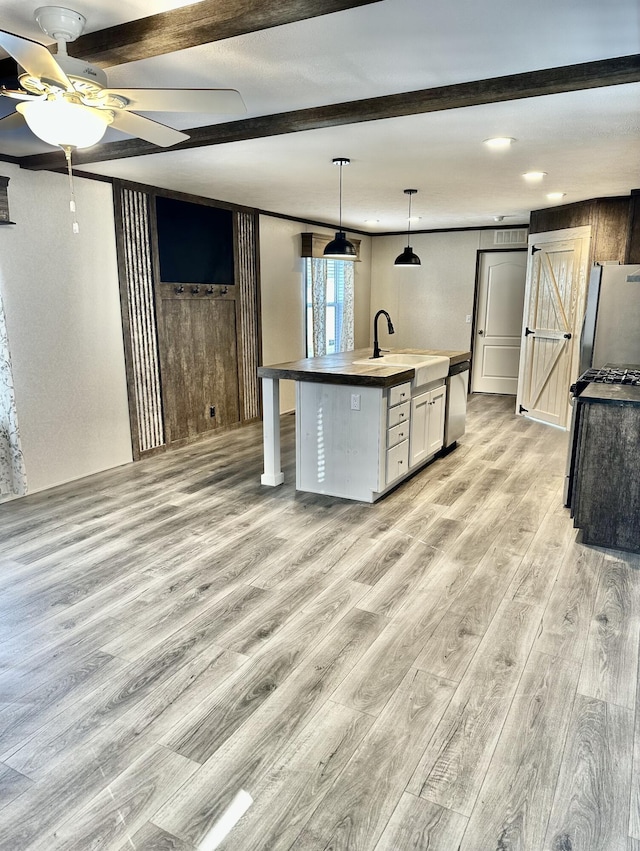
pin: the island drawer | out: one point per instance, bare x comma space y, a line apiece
399, 394
397, 434
397, 461
399, 414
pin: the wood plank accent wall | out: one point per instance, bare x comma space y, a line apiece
633, 239
249, 343
192, 351
608, 218
139, 319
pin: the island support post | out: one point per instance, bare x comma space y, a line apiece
273, 474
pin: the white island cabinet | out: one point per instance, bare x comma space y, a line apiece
358, 442
361, 426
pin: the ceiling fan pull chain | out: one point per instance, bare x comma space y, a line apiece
72, 201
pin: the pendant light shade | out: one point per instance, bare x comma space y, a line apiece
340, 248
408, 258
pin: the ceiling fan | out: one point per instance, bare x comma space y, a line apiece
67, 102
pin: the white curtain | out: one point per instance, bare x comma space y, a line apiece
12, 473
319, 305
346, 330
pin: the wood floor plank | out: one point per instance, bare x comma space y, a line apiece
125, 806
419, 824
40, 706
453, 767
518, 788
246, 758
567, 616
219, 717
138, 696
288, 796
355, 812
537, 572
634, 804
590, 808
411, 569
609, 670
449, 648
12, 785
383, 667
152, 838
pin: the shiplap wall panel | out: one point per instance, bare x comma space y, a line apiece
248, 286
143, 329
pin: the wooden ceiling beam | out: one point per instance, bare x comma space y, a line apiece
190, 26
568, 78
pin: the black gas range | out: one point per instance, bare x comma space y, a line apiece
609, 374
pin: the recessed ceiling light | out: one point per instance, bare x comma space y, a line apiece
371, 221
498, 218
499, 143
556, 196
414, 218
534, 175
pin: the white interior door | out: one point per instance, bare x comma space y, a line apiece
502, 277
554, 308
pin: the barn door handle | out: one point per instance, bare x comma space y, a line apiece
567, 336
528, 331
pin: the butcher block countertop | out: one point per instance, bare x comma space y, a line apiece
341, 369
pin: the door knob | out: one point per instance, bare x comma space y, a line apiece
481, 332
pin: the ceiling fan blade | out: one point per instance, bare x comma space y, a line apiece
20, 95
14, 121
34, 58
220, 101
145, 128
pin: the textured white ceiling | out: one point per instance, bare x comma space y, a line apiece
588, 142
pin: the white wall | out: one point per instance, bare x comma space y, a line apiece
60, 294
282, 295
429, 304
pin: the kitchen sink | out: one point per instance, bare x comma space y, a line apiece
428, 368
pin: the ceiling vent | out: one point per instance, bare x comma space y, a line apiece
510, 237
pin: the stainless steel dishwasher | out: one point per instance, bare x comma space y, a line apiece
456, 406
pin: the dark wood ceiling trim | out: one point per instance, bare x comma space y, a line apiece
190, 26
568, 78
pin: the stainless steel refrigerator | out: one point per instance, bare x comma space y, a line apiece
611, 329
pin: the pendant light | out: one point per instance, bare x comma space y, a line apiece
340, 248
408, 258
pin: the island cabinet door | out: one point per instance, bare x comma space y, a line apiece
427, 425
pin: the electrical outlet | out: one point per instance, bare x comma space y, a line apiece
468, 319
355, 401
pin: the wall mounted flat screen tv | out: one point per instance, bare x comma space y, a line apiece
195, 242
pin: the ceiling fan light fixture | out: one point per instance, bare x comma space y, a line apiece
408, 258
64, 123
340, 248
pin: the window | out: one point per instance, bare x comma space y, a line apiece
329, 297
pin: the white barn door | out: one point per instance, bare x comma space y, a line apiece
554, 309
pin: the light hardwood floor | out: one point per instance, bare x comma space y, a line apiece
446, 669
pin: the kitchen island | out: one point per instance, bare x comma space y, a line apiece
362, 424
